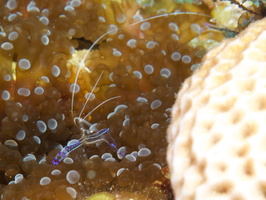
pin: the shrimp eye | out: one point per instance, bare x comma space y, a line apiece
89, 132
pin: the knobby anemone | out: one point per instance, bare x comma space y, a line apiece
44, 46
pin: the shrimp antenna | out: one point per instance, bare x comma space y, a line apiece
100, 105
84, 118
87, 99
82, 62
169, 14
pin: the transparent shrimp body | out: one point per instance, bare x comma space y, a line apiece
88, 137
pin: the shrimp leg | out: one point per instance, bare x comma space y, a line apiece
101, 136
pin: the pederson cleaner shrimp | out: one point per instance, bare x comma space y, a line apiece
90, 136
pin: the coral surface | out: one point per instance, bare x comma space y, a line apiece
217, 134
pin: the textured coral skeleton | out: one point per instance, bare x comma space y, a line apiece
217, 134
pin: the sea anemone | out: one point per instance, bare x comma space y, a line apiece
47, 72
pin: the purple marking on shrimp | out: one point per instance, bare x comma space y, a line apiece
65, 151
100, 136
115, 147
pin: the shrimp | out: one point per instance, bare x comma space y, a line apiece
94, 136
88, 136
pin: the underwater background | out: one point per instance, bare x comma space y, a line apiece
61, 59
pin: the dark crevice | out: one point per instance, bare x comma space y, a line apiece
85, 44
